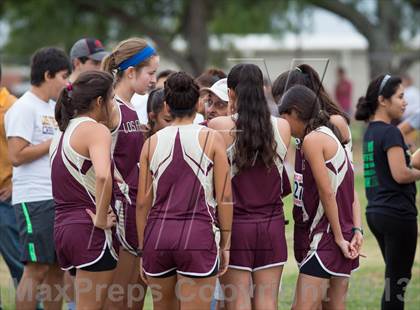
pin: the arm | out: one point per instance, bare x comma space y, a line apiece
313, 148
22, 152
399, 170
357, 239
405, 128
415, 159
284, 130
357, 213
223, 190
342, 126
99, 147
144, 194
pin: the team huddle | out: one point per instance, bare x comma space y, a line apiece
191, 207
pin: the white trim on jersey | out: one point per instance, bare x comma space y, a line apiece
339, 160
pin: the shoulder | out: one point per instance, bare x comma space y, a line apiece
282, 124
314, 140
391, 131
149, 146
210, 133
22, 103
341, 123
94, 131
21, 109
221, 122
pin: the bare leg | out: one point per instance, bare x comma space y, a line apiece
33, 275
126, 277
236, 286
54, 282
69, 288
336, 294
91, 289
163, 293
195, 293
266, 288
309, 292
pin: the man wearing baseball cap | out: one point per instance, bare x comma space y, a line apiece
86, 54
216, 99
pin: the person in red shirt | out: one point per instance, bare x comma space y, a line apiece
343, 90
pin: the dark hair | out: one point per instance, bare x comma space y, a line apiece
209, 77
309, 110
306, 75
164, 74
155, 103
77, 98
48, 59
254, 131
181, 94
367, 105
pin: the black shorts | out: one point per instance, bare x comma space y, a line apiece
313, 268
106, 263
35, 222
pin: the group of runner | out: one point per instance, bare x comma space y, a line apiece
187, 207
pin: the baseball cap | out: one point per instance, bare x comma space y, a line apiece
219, 88
88, 47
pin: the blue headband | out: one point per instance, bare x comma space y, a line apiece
137, 58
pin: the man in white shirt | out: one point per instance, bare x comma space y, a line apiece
30, 125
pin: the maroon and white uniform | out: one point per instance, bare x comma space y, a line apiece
78, 242
321, 242
258, 232
128, 140
301, 227
300, 217
180, 230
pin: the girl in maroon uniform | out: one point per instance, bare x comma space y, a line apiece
329, 257
82, 186
134, 63
256, 146
184, 177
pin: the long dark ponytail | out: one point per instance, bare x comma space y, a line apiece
77, 98
254, 131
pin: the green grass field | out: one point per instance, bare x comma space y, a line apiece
366, 284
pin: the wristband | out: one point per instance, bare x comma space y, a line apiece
139, 252
354, 229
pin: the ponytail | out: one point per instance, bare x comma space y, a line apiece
108, 64
254, 131
383, 85
77, 98
63, 109
365, 109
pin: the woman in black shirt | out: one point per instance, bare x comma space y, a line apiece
389, 182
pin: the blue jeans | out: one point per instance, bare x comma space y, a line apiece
10, 248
